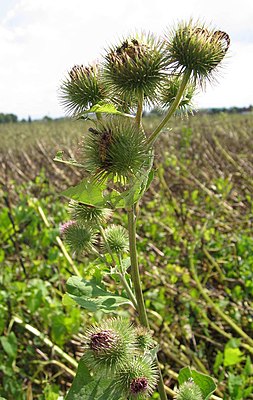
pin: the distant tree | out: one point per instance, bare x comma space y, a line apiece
46, 119
6, 118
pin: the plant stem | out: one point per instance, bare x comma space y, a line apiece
172, 108
121, 274
135, 274
126, 285
127, 288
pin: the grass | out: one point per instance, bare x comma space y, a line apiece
195, 245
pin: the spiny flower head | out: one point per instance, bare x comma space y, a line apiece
115, 148
117, 239
138, 378
144, 338
81, 89
135, 68
109, 345
78, 237
84, 213
189, 391
194, 48
170, 90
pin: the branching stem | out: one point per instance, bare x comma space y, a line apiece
152, 138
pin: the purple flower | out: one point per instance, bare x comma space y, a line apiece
64, 227
102, 340
138, 385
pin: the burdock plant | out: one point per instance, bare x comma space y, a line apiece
117, 158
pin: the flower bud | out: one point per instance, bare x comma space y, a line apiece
81, 89
109, 345
79, 238
144, 338
117, 238
84, 213
194, 48
189, 391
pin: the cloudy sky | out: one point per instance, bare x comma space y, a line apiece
40, 40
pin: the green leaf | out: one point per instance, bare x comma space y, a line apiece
248, 368
204, 382
98, 195
9, 344
218, 362
87, 387
104, 107
232, 356
87, 192
138, 188
67, 301
235, 386
184, 375
91, 296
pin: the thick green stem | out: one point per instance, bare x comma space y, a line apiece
135, 274
172, 108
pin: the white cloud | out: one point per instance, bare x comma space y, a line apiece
41, 39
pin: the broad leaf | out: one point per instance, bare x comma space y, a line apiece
98, 195
138, 188
87, 387
204, 382
87, 193
232, 356
91, 296
184, 375
104, 107
9, 344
